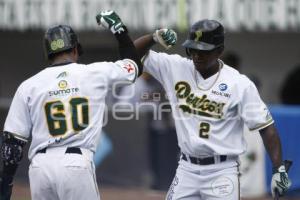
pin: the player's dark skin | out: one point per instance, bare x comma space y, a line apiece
207, 64
64, 57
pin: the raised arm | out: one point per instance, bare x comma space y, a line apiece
165, 37
110, 20
143, 44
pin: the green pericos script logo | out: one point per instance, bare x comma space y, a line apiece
57, 44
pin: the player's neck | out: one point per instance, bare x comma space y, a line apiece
63, 58
209, 71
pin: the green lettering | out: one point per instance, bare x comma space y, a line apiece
190, 98
183, 89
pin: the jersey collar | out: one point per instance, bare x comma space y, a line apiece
60, 64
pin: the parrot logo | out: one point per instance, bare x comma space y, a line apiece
198, 35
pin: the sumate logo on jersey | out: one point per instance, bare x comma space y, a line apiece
199, 105
62, 84
63, 89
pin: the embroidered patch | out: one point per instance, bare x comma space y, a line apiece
222, 187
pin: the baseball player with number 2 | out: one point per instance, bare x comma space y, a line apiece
62, 109
210, 102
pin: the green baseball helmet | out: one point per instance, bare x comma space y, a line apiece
59, 39
205, 35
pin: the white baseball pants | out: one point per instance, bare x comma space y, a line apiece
205, 182
56, 175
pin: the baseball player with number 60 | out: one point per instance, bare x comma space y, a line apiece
62, 109
210, 102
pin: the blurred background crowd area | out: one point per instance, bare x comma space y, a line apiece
262, 41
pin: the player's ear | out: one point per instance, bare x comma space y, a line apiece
75, 54
188, 52
74, 51
79, 49
221, 49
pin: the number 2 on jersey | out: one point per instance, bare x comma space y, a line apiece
56, 115
204, 130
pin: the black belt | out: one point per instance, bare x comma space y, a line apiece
203, 161
68, 150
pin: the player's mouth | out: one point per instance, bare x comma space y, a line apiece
199, 62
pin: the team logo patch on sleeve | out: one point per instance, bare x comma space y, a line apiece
129, 67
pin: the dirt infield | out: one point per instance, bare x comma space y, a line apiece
21, 192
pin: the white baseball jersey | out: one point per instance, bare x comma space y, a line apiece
64, 105
209, 113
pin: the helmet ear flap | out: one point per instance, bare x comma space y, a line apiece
188, 52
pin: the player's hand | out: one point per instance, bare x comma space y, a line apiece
110, 20
6, 184
280, 181
165, 37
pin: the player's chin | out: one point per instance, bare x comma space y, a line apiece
199, 63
